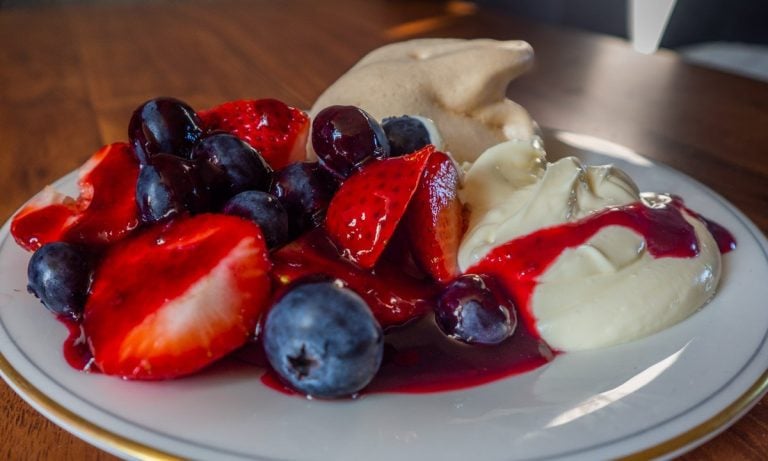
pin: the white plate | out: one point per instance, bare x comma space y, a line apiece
656, 396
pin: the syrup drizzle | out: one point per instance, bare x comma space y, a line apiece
76, 351
419, 358
519, 263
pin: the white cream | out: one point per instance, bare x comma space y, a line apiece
511, 191
610, 289
459, 84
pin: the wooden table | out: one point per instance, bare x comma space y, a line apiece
70, 77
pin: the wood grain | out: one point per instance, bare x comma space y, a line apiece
70, 77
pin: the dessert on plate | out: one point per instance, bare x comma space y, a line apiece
406, 234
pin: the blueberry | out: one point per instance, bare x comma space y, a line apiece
169, 186
265, 210
406, 134
59, 275
323, 340
163, 125
471, 311
230, 165
344, 137
305, 189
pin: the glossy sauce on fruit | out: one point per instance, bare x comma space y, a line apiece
394, 296
104, 212
75, 348
177, 296
419, 359
361, 245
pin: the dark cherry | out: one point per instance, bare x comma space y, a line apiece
471, 311
305, 189
265, 210
169, 186
229, 166
344, 137
59, 274
163, 125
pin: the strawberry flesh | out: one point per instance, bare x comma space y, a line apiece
276, 130
215, 284
364, 213
104, 212
434, 219
394, 297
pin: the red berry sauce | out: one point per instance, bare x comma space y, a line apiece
76, 351
104, 212
519, 263
35, 226
418, 357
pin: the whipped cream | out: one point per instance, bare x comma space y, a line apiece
459, 84
606, 291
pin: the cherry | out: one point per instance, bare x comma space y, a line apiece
169, 186
470, 311
344, 137
305, 189
263, 209
230, 165
163, 125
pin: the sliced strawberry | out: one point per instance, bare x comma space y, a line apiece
365, 211
176, 297
276, 130
394, 297
434, 220
104, 212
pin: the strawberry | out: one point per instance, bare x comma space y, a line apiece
394, 297
434, 219
276, 130
104, 212
213, 286
365, 211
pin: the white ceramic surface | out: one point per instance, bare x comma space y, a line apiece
692, 379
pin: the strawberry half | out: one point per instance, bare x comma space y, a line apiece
394, 297
104, 212
365, 211
276, 130
434, 220
176, 297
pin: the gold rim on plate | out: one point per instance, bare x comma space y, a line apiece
81, 426
76, 423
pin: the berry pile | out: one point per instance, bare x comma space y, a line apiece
209, 229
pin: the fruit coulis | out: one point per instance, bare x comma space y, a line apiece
394, 296
419, 358
519, 263
389, 233
104, 212
75, 349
